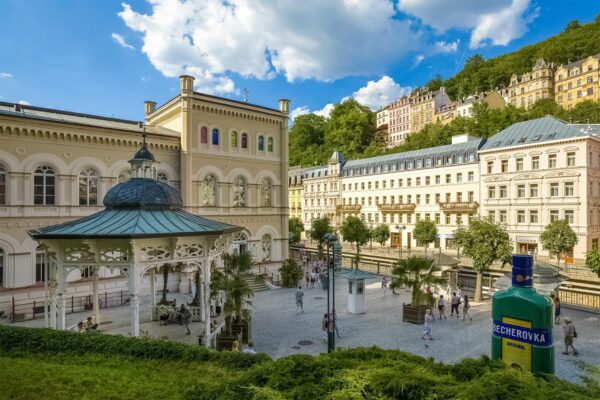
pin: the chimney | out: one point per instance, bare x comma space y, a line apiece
186, 84
149, 107
284, 106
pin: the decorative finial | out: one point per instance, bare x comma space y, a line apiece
246, 95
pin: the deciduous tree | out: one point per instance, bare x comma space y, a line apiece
381, 233
319, 228
558, 237
354, 230
425, 232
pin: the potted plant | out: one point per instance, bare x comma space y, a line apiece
416, 273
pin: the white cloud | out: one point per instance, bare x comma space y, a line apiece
326, 110
5, 75
377, 94
296, 112
418, 59
322, 40
445, 47
121, 40
24, 102
498, 21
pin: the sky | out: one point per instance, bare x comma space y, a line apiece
107, 57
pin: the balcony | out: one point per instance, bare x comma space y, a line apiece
348, 208
397, 208
459, 206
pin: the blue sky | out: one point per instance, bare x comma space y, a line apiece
107, 57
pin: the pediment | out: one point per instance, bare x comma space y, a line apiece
527, 176
497, 179
571, 148
518, 155
562, 174
535, 153
552, 151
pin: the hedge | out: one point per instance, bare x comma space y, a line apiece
16, 340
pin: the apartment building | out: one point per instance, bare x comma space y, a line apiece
383, 117
493, 99
295, 189
423, 106
399, 121
535, 85
446, 113
577, 81
538, 171
439, 184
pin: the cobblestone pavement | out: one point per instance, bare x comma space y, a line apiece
277, 328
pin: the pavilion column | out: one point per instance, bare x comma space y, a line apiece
134, 301
206, 298
52, 296
200, 286
153, 287
62, 302
96, 296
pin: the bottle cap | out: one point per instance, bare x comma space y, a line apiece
522, 270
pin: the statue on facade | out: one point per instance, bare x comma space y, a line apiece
266, 247
239, 192
209, 191
265, 189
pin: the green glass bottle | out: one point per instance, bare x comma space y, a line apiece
522, 322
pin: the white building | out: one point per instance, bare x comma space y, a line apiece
399, 121
537, 171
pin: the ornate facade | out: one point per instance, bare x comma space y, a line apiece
577, 82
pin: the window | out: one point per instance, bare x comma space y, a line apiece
552, 161
427, 198
491, 192
437, 218
502, 216
553, 215
554, 189
448, 221
569, 189
459, 178
533, 216
2, 185
504, 166
418, 199
448, 178
427, 181
418, 181
409, 218
492, 216
470, 197
234, 140
520, 216
571, 159
459, 219
88, 187
261, 143
399, 182
204, 135
40, 265
519, 164
244, 140
570, 216
270, 145
459, 197
520, 190
535, 162
471, 177
215, 137
503, 192
533, 190
43, 186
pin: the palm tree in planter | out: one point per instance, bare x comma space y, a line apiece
237, 293
416, 272
165, 269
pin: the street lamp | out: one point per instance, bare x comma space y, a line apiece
400, 229
330, 239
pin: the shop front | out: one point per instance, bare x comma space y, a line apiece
527, 245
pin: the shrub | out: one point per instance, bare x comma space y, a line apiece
290, 272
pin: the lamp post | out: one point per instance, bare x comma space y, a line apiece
330, 239
400, 229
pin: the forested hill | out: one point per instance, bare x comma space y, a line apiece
351, 126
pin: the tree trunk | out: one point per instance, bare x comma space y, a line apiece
478, 287
165, 271
357, 254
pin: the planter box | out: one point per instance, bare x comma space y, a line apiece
412, 314
226, 342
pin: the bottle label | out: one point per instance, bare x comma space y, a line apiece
517, 338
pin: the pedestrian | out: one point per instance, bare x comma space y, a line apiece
307, 277
335, 324
570, 334
556, 302
428, 325
299, 300
441, 306
466, 307
324, 326
384, 285
455, 302
459, 292
186, 315
313, 278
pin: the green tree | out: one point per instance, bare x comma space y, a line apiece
350, 129
571, 26
290, 273
319, 228
558, 237
416, 272
354, 230
238, 292
381, 233
425, 232
165, 269
296, 227
435, 84
484, 242
592, 260
307, 136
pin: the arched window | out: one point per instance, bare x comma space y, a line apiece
234, 140
40, 265
88, 187
44, 186
204, 135
244, 140
161, 176
261, 143
240, 243
2, 185
270, 145
1, 267
124, 176
215, 137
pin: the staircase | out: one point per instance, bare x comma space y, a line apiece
256, 285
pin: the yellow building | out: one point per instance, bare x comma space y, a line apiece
577, 81
423, 107
446, 113
295, 190
535, 85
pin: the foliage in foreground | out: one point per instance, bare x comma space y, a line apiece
40, 366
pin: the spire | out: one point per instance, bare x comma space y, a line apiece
143, 164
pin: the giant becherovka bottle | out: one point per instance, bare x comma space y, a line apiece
522, 322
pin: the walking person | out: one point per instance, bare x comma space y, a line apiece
299, 300
466, 307
428, 324
459, 291
455, 302
556, 302
384, 285
186, 316
335, 324
441, 306
570, 334
324, 326
307, 277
